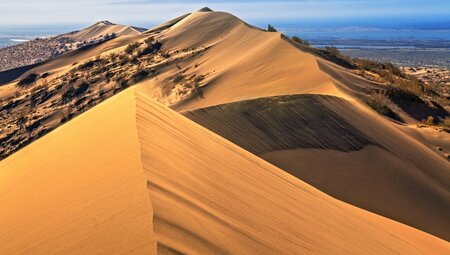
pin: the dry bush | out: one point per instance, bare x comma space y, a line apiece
429, 121
27, 81
446, 124
379, 103
271, 28
132, 47
300, 41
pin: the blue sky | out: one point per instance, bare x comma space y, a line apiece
149, 12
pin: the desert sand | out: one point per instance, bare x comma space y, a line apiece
132, 176
148, 180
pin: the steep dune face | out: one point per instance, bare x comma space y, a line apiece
240, 62
79, 190
247, 64
146, 180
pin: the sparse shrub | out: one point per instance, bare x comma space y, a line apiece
132, 47
30, 79
199, 78
114, 57
139, 75
150, 47
399, 95
300, 41
333, 50
446, 124
124, 59
76, 91
178, 78
429, 121
379, 102
271, 28
90, 63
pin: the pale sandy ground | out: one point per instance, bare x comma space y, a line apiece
131, 172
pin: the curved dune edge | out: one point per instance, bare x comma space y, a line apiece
133, 177
79, 189
344, 150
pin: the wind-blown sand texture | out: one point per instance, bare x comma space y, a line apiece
148, 180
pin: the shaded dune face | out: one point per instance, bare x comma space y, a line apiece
283, 123
342, 150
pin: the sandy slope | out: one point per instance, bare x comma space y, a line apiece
344, 150
245, 63
409, 184
145, 173
242, 62
80, 190
102, 28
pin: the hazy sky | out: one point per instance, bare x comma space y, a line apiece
146, 12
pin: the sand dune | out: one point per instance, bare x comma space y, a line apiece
241, 62
244, 63
345, 151
100, 29
81, 190
148, 180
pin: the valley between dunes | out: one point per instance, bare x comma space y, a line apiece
206, 135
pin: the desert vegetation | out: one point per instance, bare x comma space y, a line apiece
410, 94
379, 103
300, 41
43, 103
271, 28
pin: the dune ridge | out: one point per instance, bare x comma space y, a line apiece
365, 159
148, 181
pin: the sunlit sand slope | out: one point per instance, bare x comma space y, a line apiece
79, 190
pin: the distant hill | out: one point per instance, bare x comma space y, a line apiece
41, 49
